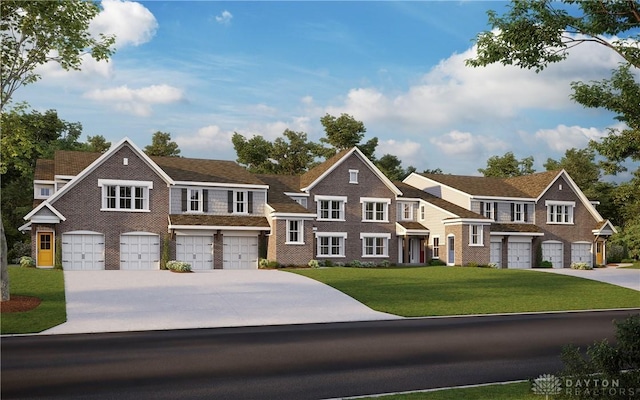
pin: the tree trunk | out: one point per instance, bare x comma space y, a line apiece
4, 265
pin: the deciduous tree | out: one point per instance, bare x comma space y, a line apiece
162, 145
507, 166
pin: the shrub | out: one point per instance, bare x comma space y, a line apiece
19, 250
580, 265
314, 264
616, 252
338, 264
472, 265
273, 265
27, 262
178, 266
263, 263
384, 264
546, 264
493, 265
436, 262
355, 264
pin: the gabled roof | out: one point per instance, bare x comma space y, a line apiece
206, 171
526, 187
316, 174
497, 228
71, 163
44, 170
276, 197
409, 191
177, 221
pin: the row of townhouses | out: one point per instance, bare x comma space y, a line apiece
122, 209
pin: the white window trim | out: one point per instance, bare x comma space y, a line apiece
571, 205
353, 176
343, 244
402, 208
385, 244
515, 212
300, 232
433, 247
341, 199
244, 202
375, 200
189, 200
480, 235
145, 185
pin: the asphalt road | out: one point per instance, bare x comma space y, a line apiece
315, 361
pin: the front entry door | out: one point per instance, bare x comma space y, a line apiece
452, 252
45, 249
600, 253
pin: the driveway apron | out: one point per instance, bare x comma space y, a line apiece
625, 277
116, 301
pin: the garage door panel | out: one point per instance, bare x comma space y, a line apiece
554, 253
519, 255
581, 253
139, 252
240, 252
496, 253
196, 250
82, 251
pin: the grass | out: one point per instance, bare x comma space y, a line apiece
510, 391
636, 265
435, 291
46, 284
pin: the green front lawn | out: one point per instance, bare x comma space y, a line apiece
510, 391
46, 284
430, 291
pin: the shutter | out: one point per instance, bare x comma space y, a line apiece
205, 200
230, 201
184, 199
526, 213
495, 211
482, 208
513, 212
250, 202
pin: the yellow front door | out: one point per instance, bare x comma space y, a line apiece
599, 253
45, 249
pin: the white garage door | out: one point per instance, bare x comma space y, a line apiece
240, 252
496, 254
553, 252
519, 255
139, 250
581, 252
196, 250
82, 251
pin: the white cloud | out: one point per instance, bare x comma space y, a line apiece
137, 101
224, 18
409, 152
131, 22
565, 137
456, 143
208, 138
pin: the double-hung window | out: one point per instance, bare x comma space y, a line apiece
330, 208
375, 245
120, 195
295, 231
489, 210
195, 200
240, 202
375, 210
436, 247
331, 244
560, 212
519, 212
476, 235
406, 211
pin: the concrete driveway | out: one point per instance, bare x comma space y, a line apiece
625, 277
116, 301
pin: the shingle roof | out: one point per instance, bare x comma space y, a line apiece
276, 197
523, 228
218, 220
202, 170
45, 170
413, 225
528, 186
414, 193
314, 173
71, 163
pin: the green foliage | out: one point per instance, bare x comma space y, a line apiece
436, 262
581, 265
546, 264
391, 167
507, 166
313, 264
605, 361
178, 266
27, 262
96, 144
57, 263
580, 165
616, 252
45, 284
166, 251
34, 33
345, 132
161, 145
18, 250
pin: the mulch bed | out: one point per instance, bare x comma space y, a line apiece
19, 304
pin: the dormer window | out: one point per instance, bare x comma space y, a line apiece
519, 212
353, 176
195, 200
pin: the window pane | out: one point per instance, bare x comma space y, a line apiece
125, 197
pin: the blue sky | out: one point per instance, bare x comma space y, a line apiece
203, 70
